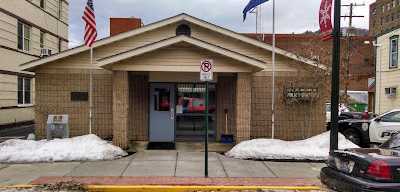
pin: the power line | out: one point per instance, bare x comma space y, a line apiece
349, 31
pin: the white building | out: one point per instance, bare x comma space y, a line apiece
387, 72
28, 28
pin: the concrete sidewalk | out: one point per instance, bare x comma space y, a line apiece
160, 163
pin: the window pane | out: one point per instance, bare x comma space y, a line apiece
27, 90
20, 91
20, 97
392, 117
26, 45
27, 32
59, 45
41, 39
162, 99
20, 36
394, 52
27, 97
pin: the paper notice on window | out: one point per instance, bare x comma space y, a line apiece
179, 109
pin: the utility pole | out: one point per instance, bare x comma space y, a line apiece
335, 78
346, 66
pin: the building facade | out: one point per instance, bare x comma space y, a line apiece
384, 16
387, 71
361, 58
147, 88
26, 28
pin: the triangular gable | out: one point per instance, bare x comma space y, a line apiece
159, 24
257, 64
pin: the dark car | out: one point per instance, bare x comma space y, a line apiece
355, 127
364, 169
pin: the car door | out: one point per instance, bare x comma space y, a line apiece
383, 127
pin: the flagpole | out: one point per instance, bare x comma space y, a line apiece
91, 92
261, 24
273, 71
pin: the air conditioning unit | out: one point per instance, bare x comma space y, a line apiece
45, 52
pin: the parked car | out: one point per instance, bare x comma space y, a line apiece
355, 127
384, 126
364, 169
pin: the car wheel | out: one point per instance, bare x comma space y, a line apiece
353, 136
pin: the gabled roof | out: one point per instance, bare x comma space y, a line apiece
260, 65
171, 20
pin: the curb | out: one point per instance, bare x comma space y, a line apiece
16, 186
171, 188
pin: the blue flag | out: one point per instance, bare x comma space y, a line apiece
252, 4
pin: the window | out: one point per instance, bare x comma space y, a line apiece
183, 30
24, 91
383, 8
42, 4
59, 9
41, 39
59, 45
391, 91
24, 36
391, 117
394, 52
162, 99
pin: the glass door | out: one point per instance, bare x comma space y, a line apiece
190, 109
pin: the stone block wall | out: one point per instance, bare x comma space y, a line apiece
53, 96
243, 107
120, 108
293, 121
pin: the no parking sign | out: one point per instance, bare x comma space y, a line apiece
206, 70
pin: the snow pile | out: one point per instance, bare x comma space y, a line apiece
314, 148
83, 148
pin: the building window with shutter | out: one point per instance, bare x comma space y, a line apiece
24, 36
394, 52
24, 91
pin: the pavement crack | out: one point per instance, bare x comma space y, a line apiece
269, 168
128, 164
222, 165
73, 169
176, 163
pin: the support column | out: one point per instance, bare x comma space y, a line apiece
120, 108
243, 107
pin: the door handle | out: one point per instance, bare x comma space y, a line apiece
172, 113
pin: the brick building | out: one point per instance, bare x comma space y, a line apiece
361, 65
147, 88
384, 16
26, 29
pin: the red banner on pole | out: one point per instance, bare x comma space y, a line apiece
325, 19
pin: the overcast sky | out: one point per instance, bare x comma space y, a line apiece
292, 16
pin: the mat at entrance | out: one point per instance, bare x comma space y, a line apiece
161, 146
180, 181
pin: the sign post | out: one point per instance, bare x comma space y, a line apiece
206, 75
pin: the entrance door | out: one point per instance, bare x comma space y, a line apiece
162, 112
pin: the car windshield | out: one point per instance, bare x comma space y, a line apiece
392, 143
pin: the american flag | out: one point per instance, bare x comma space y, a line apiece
90, 27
